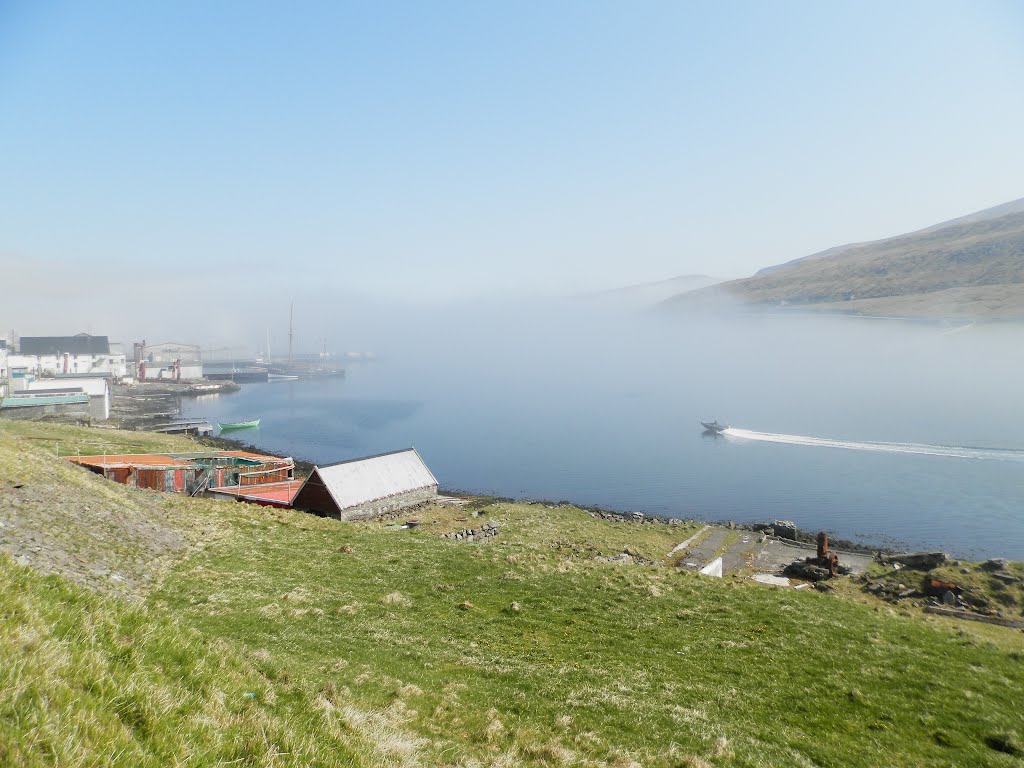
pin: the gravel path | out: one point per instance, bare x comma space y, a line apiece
700, 552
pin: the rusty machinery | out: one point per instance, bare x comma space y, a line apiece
825, 559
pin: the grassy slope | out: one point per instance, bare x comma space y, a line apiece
371, 645
62, 519
86, 680
598, 663
973, 268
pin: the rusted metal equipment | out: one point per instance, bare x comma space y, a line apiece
825, 559
823, 566
938, 588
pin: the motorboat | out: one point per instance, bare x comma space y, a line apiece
714, 426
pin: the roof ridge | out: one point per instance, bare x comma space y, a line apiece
365, 458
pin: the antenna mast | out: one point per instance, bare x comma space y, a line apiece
291, 315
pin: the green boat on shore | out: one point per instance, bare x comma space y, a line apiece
229, 425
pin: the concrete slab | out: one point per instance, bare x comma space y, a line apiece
688, 542
742, 553
700, 553
767, 578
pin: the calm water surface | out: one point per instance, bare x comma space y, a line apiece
889, 433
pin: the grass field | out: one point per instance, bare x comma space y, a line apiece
286, 639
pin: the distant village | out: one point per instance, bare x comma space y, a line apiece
68, 375
74, 379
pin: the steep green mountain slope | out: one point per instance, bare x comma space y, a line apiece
971, 269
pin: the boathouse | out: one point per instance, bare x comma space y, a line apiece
362, 488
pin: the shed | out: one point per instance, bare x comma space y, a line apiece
190, 473
97, 387
361, 488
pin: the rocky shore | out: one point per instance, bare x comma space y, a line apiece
143, 405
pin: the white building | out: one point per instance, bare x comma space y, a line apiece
97, 387
4, 373
72, 354
21, 369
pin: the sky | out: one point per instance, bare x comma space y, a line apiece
164, 155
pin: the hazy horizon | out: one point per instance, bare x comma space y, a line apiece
160, 163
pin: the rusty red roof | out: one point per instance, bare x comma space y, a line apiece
173, 460
278, 493
130, 460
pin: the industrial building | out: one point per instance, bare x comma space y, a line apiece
83, 353
168, 360
191, 473
364, 488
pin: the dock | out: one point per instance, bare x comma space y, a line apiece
199, 427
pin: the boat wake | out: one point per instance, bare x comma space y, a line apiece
950, 451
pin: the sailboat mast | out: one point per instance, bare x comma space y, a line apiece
291, 316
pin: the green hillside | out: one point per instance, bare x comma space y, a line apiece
972, 269
279, 638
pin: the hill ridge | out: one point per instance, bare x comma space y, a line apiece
968, 268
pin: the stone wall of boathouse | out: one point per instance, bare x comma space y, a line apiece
396, 503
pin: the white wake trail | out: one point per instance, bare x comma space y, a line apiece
950, 451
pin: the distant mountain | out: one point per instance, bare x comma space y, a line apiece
1016, 206
649, 294
970, 267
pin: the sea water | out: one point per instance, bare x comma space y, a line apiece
893, 433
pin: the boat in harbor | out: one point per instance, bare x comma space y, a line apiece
281, 377
714, 426
229, 425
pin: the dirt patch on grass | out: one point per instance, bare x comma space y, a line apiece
108, 546
59, 518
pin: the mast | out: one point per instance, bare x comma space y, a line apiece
291, 316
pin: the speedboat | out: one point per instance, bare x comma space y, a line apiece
714, 426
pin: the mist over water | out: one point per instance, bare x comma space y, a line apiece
884, 431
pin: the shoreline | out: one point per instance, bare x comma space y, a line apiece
143, 405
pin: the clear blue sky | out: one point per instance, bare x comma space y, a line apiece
394, 149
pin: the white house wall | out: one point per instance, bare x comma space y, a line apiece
51, 364
98, 391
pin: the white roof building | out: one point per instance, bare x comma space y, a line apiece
368, 487
97, 388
